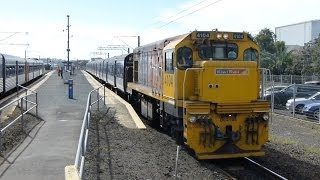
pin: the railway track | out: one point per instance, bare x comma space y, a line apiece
271, 174
246, 168
240, 168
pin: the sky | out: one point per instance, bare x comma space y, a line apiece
37, 28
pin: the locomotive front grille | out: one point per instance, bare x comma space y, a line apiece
259, 106
197, 108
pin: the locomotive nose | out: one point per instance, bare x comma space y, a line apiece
225, 82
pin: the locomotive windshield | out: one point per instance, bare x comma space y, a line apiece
250, 55
220, 51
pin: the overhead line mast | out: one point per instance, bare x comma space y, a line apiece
68, 48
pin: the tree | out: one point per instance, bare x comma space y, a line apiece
310, 57
266, 60
283, 59
265, 40
274, 55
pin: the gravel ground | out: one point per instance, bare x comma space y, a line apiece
117, 152
294, 148
14, 135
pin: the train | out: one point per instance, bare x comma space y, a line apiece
15, 70
202, 87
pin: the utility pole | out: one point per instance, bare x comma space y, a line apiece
68, 49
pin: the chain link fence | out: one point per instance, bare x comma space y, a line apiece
290, 79
292, 95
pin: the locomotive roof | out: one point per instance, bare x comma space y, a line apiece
115, 58
160, 44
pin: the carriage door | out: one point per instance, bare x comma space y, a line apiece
168, 75
156, 71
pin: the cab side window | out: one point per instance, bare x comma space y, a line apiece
169, 61
250, 55
184, 58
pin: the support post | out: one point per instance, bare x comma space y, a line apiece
21, 109
0, 135
68, 49
98, 99
294, 100
26, 99
17, 73
37, 104
176, 165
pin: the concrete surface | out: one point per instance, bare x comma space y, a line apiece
53, 143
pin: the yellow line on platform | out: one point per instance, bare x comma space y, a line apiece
71, 173
132, 112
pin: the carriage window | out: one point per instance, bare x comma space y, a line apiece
169, 61
112, 69
184, 58
119, 73
250, 55
219, 51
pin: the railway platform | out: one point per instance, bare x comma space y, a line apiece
52, 144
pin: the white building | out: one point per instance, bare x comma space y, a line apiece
298, 34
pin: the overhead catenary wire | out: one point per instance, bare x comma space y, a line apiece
7, 37
215, 2
180, 12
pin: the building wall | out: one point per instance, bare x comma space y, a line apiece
295, 34
315, 29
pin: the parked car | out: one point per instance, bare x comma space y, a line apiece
273, 89
302, 90
311, 110
312, 82
299, 103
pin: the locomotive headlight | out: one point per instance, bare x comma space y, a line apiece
225, 36
219, 36
192, 119
265, 116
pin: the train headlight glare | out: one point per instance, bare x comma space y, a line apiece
225, 36
265, 116
192, 119
219, 36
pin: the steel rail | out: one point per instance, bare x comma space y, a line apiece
265, 169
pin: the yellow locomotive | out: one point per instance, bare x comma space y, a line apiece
203, 87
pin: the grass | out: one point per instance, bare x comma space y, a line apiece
313, 150
282, 140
